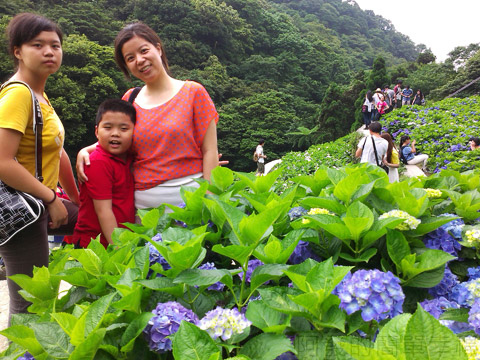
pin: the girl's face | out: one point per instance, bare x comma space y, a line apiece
382, 97
42, 55
143, 59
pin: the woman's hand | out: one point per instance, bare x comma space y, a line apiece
58, 214
83, 159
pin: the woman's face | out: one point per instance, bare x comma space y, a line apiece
42, 55
143, 59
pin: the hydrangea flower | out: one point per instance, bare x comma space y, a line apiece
26, 356
433, 193
252, 265
465, 293
472, 347
472, 238
377, 294
437, 307
296, 212
218, 286
317, 211
444, 288
454, 227
474, 316
224, 323
155, 256
410, 222
166, 322
473, 273
441, 239
302, 252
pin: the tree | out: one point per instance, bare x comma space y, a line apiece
426, 57
378, 76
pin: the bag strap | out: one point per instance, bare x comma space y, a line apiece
37, 128
134, 94
375, 151
363, 147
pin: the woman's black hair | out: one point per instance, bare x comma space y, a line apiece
25, 27
403, 139
369, 95
130, 31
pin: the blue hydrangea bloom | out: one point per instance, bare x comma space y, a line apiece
440, 239
166, 322
454, 227
252, 265
218, 286
437, 307
465, 293
155, 256
474, 316
302, 252
26, 356
473, 273
377, 294
444, 288
296, 212
287, 356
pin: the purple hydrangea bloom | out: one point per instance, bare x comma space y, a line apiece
454, 227
377, 294
444, 288
218, 286
437, 307
287, 356
26, 356
440, 239
296, 212
474, 316
302, 252
465, 293
155, 256
252, 265
473, 273
166, 322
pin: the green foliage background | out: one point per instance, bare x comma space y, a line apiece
271, 66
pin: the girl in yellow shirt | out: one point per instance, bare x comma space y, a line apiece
392, 160
35, 44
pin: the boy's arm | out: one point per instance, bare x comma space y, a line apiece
66, 179
106, 217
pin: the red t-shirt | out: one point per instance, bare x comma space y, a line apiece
167, 140
109, 177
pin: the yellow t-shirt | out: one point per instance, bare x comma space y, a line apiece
16, 113
395, 159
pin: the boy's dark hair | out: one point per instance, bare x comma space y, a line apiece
476, 140
116, 105
261, 142
130, 31
375, 127
24, 27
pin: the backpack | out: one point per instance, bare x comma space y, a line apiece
402, 157
255, 156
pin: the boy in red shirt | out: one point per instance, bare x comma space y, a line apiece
106, 199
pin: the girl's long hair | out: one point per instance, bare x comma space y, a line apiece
391, 145
369, 96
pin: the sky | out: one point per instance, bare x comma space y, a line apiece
439, 24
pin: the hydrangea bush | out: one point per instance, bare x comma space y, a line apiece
248, 278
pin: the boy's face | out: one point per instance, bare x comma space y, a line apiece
114, 133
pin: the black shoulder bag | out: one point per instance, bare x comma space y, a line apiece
18, 209
381, 164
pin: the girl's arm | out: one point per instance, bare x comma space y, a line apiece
16, 176
66, 179
83, 158
209, 150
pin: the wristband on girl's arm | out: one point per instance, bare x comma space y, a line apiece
51, 201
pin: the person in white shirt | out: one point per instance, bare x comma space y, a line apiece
365, 150
261, 158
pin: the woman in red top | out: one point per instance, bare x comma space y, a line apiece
175, 138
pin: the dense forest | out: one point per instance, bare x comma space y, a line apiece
292, 72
